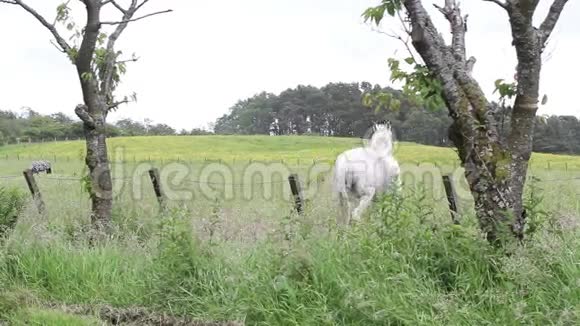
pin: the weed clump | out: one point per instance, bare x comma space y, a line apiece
12, 202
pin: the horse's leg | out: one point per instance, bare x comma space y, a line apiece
345, 208
364, 203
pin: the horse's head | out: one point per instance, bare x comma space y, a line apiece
382, 138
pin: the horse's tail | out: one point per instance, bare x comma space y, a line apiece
339, 185
339, 175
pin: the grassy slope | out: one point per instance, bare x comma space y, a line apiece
262, 148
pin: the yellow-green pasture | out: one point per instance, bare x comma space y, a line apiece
293, 149
246, 176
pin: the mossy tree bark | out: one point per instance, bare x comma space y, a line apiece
494, 168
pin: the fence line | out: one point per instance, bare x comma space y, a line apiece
548, 165
162, 160
293, 180
72, 178
9, 177
555, 180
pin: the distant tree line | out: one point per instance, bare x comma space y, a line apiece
15, 127
333, 110
337, 110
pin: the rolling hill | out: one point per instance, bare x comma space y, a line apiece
245, 148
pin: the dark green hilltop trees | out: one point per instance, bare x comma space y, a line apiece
309, 110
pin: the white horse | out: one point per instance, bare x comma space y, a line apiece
362, 173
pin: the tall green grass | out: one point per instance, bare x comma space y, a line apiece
12, 202
403, 266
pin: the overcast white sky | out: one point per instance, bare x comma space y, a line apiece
199, 60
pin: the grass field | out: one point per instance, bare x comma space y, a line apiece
300, 149
230, 247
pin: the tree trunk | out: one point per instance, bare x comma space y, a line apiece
100, 189
487, 171
93, 113
495, 170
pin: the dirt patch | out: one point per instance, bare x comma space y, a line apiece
139, 316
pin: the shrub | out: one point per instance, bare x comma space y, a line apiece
11, 204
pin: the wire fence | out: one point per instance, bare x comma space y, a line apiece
565, 166
167, 159
76, 178
293, 181
556, 180
190, 182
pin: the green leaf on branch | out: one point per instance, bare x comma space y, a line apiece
62, 12
73, 53
376, 14
86, 76
380, 101
505, 90
418, 84
101, 38
122, 67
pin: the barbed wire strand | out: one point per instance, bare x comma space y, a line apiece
10, 177
556, 180
73, 178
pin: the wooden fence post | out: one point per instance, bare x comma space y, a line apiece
36, 196
451, 197
296, 192
156, 181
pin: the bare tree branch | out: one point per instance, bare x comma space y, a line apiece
551, 19
111, 58
499, 3
138, 18
141, 5
114, 3
57, 46
452, 13
438, 57
399, 38
61, 42
127, 60
116, 104
82, 112
469, 65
